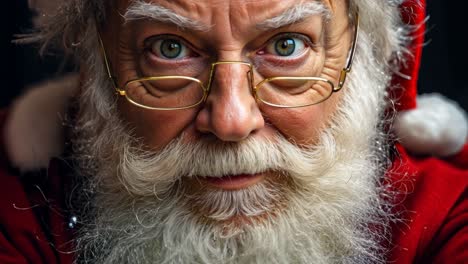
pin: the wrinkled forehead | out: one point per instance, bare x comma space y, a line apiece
225, 13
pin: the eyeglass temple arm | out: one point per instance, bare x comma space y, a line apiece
106, 62
349, 61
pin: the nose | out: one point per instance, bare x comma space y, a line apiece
230, 111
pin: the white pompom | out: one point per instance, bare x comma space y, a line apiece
438, 126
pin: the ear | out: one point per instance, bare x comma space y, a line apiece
33, 131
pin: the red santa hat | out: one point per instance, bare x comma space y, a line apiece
427, 124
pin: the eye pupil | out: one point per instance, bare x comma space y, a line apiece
285, 46
171, 48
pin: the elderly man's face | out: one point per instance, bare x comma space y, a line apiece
232, 180
228, 31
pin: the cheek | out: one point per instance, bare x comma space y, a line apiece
155, 128
303, 125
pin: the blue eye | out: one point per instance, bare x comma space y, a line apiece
169, 49
286, 46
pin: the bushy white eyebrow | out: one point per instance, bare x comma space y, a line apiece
295, 14
143, 10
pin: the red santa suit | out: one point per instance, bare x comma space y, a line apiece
36, 225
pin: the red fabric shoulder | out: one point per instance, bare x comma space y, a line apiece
434, 211
461, 158
32, 226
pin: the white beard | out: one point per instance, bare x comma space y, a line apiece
319, 209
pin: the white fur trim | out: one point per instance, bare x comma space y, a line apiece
438, 127
33, 130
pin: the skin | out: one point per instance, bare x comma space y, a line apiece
230, 113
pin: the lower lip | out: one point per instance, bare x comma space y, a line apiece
234, 182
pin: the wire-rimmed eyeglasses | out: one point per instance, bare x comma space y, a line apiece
175, 92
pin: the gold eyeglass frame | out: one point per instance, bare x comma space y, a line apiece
254, 88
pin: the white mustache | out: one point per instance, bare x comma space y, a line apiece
213, 158
210, 158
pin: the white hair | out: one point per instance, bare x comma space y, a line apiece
72, 28
138, 209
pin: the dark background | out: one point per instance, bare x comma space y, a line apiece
445, 55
